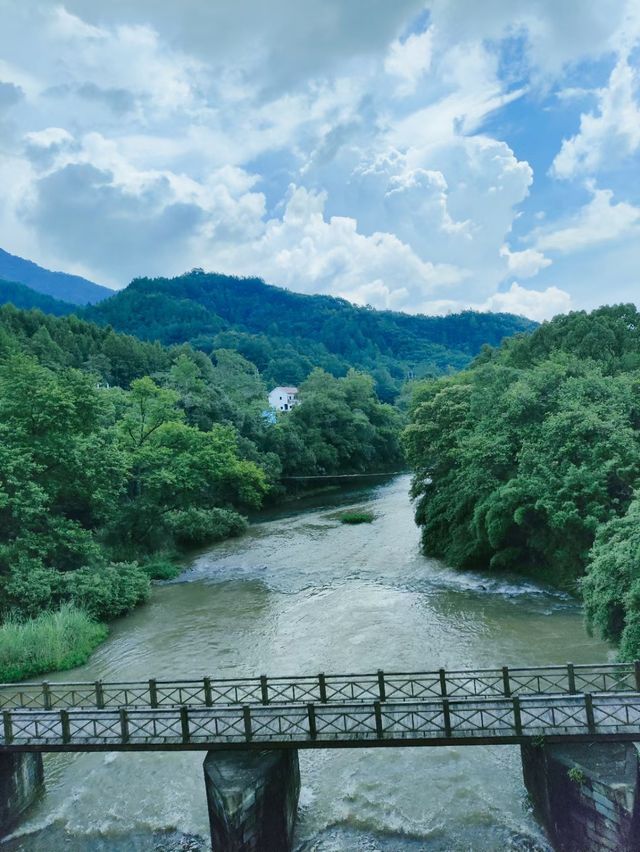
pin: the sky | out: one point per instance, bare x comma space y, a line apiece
423, 157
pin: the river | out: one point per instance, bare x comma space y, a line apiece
303, 593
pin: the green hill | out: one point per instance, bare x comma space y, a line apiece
25, 297
287, 334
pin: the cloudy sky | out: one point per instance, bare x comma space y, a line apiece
420, 157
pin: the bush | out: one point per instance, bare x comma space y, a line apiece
108, 591
357, 517
161, 568
199, 526
53, 641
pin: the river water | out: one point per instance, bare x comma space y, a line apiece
303, 593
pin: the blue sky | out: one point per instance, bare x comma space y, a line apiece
425, 157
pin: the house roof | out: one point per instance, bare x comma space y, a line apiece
285, 389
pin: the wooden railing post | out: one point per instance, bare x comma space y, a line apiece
99, 690
588, 706
381, 686
184, 723
311, 714
66, 727
443, 682
208, 695
46, 696
517, 715
572, 678
124, 725
153, 693
246, 714
322, 683
446, 717
506, 684
377, 712
636, 668
264, 689
8, 727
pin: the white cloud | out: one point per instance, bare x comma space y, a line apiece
535, 304
599, 221
305, 252
612, 131
409, 60
524, 264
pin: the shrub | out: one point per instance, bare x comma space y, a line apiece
198, 526
107, 591
30, 588
51, 642
161, 568
357, 517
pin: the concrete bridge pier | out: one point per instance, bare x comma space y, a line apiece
587, 795
21, 782
252, 798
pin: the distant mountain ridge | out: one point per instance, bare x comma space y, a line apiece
58, 285
284, 333
287, 334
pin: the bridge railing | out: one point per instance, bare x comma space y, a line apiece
431, 722
326, 688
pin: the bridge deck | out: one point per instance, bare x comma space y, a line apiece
326, 688
435, 722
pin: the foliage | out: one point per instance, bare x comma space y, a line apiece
51, 642
196, 526
287, 334
527, 458
357, 517
106, 591
339, 427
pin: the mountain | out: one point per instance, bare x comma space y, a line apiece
25, 297
287, 334
59, 285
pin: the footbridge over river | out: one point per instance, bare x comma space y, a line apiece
251, 729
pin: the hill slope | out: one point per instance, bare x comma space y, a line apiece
24, 297
59, 285
286, 334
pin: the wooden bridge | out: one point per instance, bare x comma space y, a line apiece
506, 705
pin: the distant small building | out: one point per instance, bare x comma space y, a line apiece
283, 398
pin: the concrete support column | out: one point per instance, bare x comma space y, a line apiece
253, 799
586, 795
21, 782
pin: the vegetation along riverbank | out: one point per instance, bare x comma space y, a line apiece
530, 461
119, 454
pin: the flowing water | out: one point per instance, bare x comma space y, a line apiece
303, 593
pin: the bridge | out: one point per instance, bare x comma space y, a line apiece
252, 728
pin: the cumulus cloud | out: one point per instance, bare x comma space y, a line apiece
611, 131
599, 221
306, 252
524, 264
536, 304
337, 147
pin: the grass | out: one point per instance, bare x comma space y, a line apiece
53, 641
357, 517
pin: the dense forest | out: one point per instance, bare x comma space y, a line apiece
116, 453
286, 335
530, 461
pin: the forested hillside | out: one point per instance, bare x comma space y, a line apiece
24, 297
530, 461
59, 285
115, 453
287, 334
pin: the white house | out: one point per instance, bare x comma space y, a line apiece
283, 398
